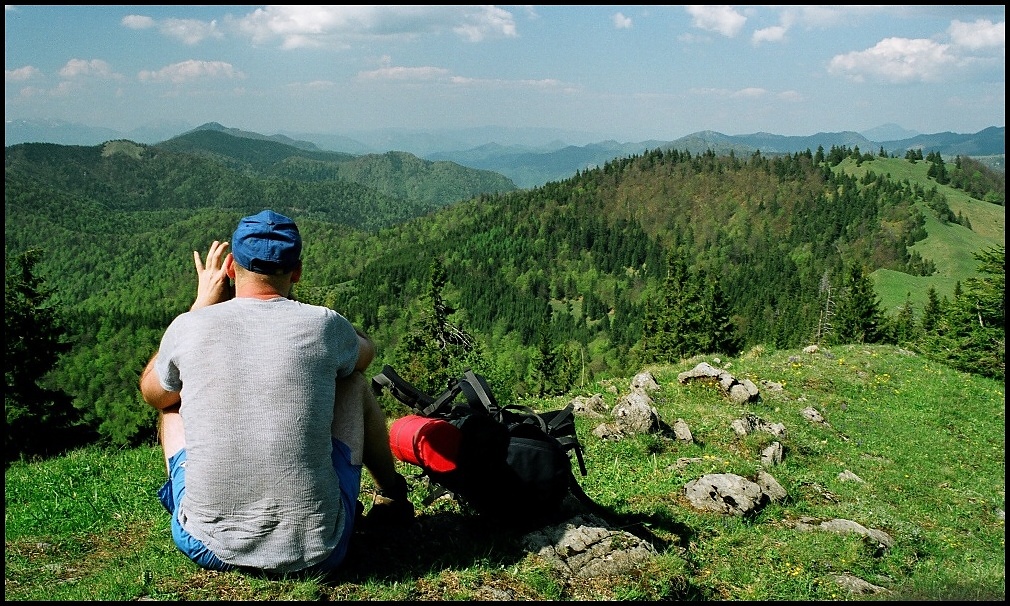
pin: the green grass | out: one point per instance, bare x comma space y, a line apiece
949, 246
929, 443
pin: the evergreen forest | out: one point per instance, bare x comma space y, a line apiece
649, 258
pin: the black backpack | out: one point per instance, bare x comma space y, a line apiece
513, 464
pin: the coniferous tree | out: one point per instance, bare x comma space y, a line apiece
689, 316
858, 317
718, 332
904, 327
970, 334
647, 349
696, 317
931, 311
937, 169
40, 420
435, 350
672, 338
548, 360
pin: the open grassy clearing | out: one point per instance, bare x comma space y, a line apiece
928, 443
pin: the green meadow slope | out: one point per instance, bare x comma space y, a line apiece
950, 246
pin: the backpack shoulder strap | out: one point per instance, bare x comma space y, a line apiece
561, 425
479, 394
405, 392
443, 404
400, 388
562, 421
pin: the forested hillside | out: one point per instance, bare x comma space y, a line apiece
416, 185
651, 257
773, 235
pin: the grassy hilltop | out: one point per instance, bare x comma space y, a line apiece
927, 442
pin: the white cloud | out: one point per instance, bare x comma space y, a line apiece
978, 35
336, 26
137, 22
544, 84
897, 60
487, 21
189, 31
811, 17
824, 16
95, 68
750, 92
187, 71
692, 38
620, 21
21, 74
405, 73
30, 92
442, 75
65, 88
721, 19
775, 33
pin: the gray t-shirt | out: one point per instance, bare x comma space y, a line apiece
257, 381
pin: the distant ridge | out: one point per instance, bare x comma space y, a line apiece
988, 142
67, 133
533, 168
889, 132
214, 126
530, 160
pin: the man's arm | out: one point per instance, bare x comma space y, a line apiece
151, 389
366, 351
211, 287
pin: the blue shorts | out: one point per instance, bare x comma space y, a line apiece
172, 491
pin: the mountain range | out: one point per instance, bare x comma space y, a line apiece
533, 157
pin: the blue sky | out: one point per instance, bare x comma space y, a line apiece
631, 73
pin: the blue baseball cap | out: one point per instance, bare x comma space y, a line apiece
267, 243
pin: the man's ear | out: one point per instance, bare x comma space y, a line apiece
296, 273
229, 266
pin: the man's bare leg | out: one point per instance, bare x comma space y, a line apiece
378, 457
170, 432
359, 422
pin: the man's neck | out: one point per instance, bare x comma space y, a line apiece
263, 296
260, 286
258, 290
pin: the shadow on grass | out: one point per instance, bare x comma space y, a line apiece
459, 540
435, 541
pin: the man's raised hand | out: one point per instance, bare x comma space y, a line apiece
212, 278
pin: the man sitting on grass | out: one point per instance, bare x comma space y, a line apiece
266, 417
